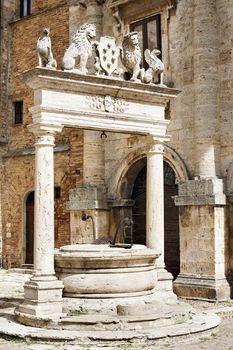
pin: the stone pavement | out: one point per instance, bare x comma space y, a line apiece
11, 293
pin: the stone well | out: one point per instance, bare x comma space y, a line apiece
101, 271
112, 288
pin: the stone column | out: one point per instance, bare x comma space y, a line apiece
43, 293
44, 206
155, 210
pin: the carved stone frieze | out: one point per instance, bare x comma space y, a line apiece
95, 102
107, 103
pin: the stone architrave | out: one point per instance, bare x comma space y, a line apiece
108, 55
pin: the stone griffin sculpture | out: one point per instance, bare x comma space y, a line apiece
156, 67
131, 55
44, 50
80, 50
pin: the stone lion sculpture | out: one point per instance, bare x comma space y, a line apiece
79, 50
44, 50
131, 55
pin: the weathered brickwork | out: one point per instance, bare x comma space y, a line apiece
25, 32
18, 181
19, 171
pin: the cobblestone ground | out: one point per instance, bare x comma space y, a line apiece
11, 292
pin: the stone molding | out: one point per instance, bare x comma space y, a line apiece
201, 192
197, 286
123, 106
31, 151
115, 3
44, 129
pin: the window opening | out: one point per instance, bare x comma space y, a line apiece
25, 8
149, 34
18, 112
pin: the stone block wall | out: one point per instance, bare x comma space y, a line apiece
225, 25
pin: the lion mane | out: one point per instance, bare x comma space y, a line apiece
80, 49
131, 54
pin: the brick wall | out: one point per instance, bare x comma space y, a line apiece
19, 169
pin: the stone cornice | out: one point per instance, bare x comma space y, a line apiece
83, 2
115, 3
44, 78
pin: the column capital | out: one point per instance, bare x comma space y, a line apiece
155, 145
45, 140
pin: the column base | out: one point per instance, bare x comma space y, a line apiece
42, 301
202, 287
164, 285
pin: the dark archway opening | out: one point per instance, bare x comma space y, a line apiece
171, 217
29, 229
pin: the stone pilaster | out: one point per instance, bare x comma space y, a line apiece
155, 210
43, 293
203, 240
95, 15
205, 62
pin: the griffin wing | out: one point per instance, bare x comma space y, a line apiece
153, 61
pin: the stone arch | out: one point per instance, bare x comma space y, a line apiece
131, 165
130, 185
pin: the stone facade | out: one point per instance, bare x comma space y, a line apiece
197, 41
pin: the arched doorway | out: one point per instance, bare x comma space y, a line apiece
171, 217
29, 242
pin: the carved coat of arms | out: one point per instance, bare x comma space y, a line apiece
108, 55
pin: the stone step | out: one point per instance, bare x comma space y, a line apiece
130, 322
